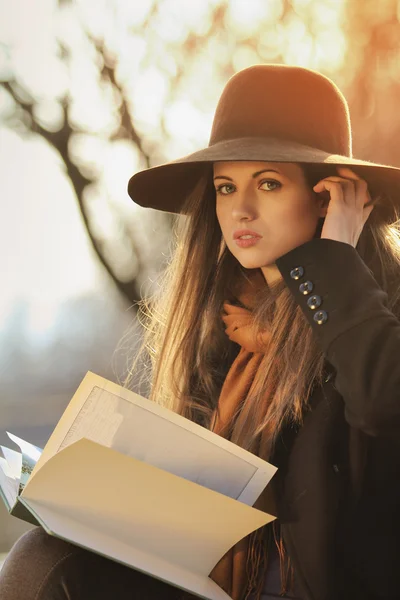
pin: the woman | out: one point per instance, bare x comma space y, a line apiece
287, 344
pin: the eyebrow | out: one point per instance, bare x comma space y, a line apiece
254, 174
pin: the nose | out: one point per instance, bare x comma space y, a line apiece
244, 205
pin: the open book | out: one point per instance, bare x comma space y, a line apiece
131, 480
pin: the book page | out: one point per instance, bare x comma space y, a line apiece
29, 456
135, 431
14, 461
108, 414
8, 484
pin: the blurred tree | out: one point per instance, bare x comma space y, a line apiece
61, 139
372, 78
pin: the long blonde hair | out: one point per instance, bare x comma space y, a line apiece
188, 354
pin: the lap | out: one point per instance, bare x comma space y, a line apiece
42, 567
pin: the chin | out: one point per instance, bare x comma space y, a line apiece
252, 264
252, 261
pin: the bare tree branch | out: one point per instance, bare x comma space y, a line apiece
59, 141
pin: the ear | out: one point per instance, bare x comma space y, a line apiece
323, 199
323, 211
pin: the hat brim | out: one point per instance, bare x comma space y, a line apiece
166, 187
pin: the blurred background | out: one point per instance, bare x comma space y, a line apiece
92, 91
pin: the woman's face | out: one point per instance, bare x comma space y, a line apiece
272, 199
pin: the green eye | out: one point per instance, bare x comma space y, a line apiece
225, 189
270, 185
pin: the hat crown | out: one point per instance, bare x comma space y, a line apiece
272, 113
285, 102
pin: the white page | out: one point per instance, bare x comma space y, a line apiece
6, 468
135, 431
30, 454
106, 413
33, 452
14, 460
8, 484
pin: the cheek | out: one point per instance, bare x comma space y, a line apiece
221, 217
300, 212
293, 221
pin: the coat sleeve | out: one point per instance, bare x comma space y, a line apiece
360, 336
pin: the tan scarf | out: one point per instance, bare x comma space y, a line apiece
232, 571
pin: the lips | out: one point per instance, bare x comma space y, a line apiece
237, 234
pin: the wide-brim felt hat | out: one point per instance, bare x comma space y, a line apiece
273, 113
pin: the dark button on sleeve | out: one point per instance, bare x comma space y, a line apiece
314, 301
297, 272
321, 317
306, 287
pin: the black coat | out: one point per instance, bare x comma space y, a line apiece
338, 481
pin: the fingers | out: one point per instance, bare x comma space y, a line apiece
361, 184
339, 189
346, 172
346, 187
